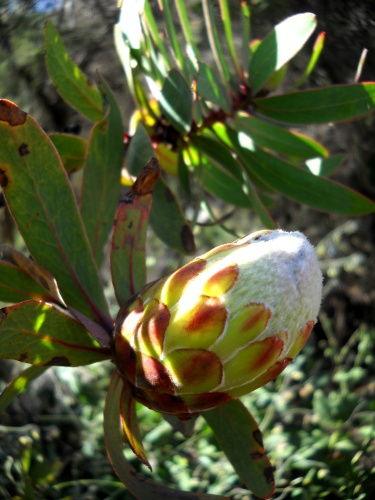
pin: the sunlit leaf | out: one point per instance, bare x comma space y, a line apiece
239, 437
278, 139
283, 43
102, 175
70, 82
324, 166
39, 334
40, 197
300, 185
71, 149
323, 105
316, 51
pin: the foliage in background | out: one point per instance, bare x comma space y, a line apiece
219, 136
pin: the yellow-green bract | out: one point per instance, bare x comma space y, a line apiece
221, 326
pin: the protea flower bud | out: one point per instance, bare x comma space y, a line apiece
221, 326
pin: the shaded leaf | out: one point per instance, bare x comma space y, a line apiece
139, 151
300, 185
71, 149
138, 485
128, 250
22, 278
280, 140
18, 384
176, 101
239, 437
130, 425
41, 200
279, 46
70, 82
168, 221
39, 334
210, 87
323, 105
102, 176
175, 42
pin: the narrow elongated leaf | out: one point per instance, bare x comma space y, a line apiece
128, 251
138, 485
239, 437
215, 43
176, 100
41, 200
278, 139
298, 184
22, 278
175, 42
102, 175
186, 27
168, 221
71, 149
283, 43
226, 18
153, 29
323, 105
139, 151
130, 425
39, 334
70, 82
18, 384
316, 51
210, 87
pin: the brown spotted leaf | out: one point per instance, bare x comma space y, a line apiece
128, 252
38, 193
40, 334
239, 437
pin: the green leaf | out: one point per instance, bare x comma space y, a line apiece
316, 51
186, 27
168, 221
18, 384
323, 105
137, 485
102, 176
41, 200
239, 437
71, 149
175, 42
280, 140
39, 334
246, 34
210, 87
176, 101
324, 166
70, 82
215, 43
22, 278
130, 424
283, 43
225, 16
300, 185
128, 252
139, 151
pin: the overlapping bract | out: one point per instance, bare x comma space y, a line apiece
221, 326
